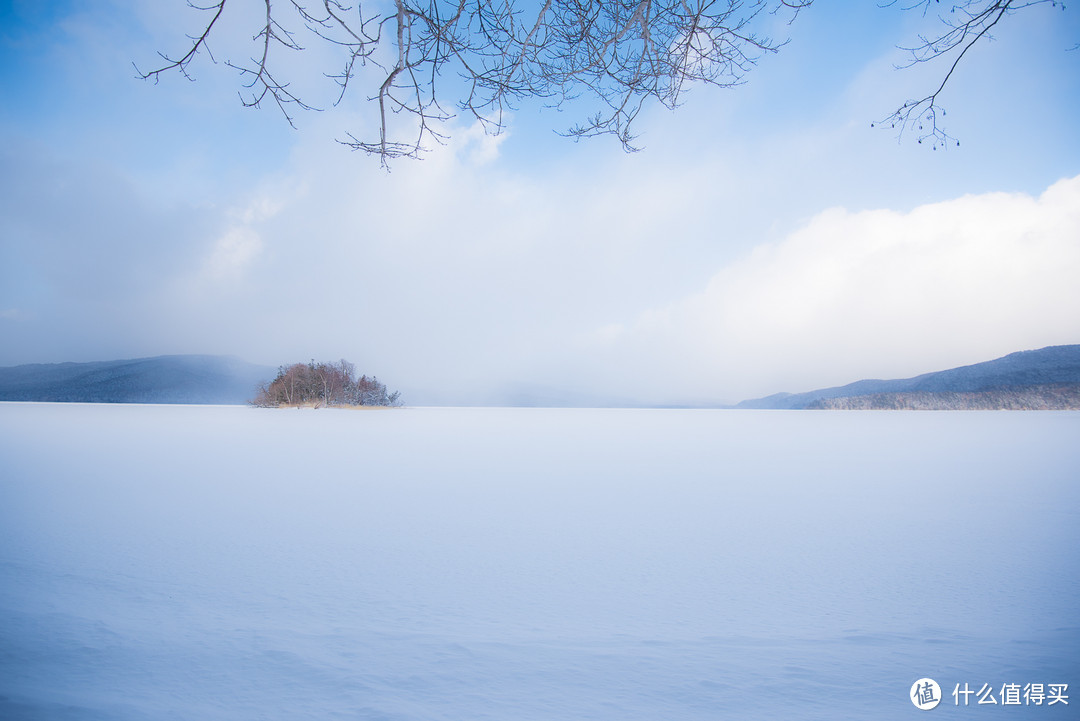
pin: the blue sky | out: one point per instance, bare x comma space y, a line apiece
765, 239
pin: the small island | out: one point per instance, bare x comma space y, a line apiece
316, 385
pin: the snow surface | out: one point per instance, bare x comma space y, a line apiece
187, 562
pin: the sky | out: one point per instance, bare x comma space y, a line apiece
766, 238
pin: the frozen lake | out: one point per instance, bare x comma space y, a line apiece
186, 562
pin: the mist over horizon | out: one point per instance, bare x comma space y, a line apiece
1046, 379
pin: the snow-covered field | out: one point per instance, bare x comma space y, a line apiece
191, 562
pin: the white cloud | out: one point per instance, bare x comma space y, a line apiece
874, 293
242, 244
234, 252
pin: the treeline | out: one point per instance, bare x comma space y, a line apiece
1049, 397
323, 384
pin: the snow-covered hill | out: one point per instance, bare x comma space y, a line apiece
162, 379
1051, 367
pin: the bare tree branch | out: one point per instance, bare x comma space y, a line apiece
967, 23
620, 53
613, 56
199, 43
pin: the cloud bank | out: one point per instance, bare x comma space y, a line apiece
875, 293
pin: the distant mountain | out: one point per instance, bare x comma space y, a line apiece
1046, 378
198, 379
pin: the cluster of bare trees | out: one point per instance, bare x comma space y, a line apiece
435, 58
323, 384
